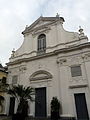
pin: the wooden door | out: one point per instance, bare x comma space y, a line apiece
81, 106
40, 102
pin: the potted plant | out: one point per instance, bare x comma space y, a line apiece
55, 108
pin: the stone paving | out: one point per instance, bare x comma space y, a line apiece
5, 118
29, 118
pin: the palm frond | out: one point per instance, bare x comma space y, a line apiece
23, 94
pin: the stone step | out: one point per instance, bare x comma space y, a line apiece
31, 118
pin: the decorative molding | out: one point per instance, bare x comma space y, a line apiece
44, 75
41, 30
22, 69
40, 78
85, 56
78, 86
38, 28
49, 47
61, 61
49, 20
63, 50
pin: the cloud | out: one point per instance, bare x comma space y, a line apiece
16, 14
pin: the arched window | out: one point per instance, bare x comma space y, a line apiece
41, 44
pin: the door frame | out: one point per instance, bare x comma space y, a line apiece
46, 97
85, 95
75, 90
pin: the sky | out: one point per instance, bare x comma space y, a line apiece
16, 14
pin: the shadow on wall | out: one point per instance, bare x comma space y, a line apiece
2, 104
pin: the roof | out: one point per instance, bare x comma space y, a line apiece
3, 69
51, 19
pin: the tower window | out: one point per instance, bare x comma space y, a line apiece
41, 44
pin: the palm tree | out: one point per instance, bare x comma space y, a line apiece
22, 94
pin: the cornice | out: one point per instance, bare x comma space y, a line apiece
73, 48
40, 30
49, 47
78, 86
52, 20
56, 52
30, 30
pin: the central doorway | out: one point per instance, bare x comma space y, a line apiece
40, 102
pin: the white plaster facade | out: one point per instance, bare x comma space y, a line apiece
52, 69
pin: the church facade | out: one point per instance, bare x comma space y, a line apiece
57, 64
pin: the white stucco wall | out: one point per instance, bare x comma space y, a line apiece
62, 84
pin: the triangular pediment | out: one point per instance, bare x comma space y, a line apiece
40, 22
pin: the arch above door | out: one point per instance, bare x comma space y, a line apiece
40, 75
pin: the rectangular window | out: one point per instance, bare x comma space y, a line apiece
14, 79
76, 71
